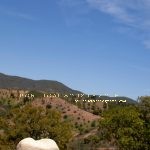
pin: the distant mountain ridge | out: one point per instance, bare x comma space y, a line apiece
16, 82
118, 98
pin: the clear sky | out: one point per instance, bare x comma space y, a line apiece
96, 46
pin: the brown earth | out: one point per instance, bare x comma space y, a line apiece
68, 109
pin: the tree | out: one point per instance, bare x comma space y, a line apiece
36, 122
124, 126
144, 108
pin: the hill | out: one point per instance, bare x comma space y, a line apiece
21, 83
118, 99
15, 82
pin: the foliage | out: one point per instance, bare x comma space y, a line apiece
93, 124
36, 94
124, 126
144, 108
35, 122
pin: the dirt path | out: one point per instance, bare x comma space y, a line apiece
92, 132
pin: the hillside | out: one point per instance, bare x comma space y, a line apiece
68, 111
83, 115
15, 82
21, 83
118, 98
81, 119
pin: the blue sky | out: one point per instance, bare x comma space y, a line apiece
96, 46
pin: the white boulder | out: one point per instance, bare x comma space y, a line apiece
31, 144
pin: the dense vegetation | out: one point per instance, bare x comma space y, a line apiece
126, 127
35, 122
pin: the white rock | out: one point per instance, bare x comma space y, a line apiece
31, 144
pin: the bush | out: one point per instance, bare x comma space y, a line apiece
48, 106
35, 122
93, 124
65, 116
